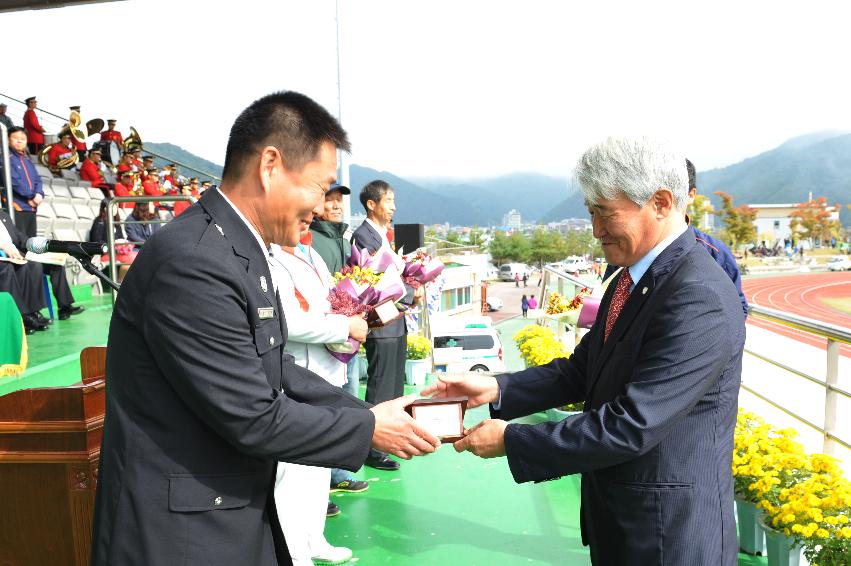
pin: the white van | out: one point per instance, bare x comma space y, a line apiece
508, 270
575, 264
472, 345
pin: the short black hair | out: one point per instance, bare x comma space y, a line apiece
692, 175
374, 191
16, 129
289, 121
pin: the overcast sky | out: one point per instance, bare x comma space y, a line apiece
450, 87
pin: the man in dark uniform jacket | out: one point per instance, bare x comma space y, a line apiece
201, 401
386, 347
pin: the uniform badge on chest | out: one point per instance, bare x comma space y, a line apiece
263, 286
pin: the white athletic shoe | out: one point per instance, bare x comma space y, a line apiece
333, 555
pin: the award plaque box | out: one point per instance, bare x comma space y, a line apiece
384, 312
444, 418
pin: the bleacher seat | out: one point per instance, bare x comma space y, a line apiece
70, 174
95, 208
82, 227
34, 159
48, 190
83, 210
46, 181
95, 194
84, 184
44, 220
79, 194
64, 210
43, 171
61, 193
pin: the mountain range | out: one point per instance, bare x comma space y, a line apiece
819, 163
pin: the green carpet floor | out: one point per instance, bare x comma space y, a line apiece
444, 509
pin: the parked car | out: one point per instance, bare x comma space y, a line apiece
474, 346
839, 263
575, 264
491, 272
509, 270
494, 304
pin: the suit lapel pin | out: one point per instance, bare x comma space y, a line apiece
263, 285
219, 228
644, 290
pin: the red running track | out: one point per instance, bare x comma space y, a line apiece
801, 294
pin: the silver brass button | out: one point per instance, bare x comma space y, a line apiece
217, 501
271, 340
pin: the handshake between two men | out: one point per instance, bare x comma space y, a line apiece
400, 434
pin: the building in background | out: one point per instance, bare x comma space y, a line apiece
512, 220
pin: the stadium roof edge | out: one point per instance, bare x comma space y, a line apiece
18, 5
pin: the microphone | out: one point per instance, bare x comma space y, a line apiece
41, 245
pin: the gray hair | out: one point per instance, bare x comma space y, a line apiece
637, 167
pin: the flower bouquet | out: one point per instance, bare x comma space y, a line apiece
420, 268
363, 291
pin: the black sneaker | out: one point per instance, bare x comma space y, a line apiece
333, 510
350, 486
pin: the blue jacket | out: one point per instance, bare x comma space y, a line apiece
723, 257
26, 182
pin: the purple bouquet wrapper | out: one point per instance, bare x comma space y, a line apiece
343, 356
588, 312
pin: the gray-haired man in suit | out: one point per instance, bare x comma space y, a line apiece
659, 373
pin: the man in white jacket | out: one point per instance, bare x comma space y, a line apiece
303, 282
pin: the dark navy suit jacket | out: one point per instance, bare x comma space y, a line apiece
365, 237
201, 402
654, 445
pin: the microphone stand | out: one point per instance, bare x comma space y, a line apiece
86, 262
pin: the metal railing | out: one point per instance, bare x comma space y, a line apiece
112, 209
835, 335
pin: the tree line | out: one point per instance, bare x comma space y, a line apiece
542, 246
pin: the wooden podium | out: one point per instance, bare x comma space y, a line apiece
49, 448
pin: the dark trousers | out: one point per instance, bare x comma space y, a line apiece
23, 282
59, 282
386, 371
25, 222
34, 148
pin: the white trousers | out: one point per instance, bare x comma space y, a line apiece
301, 497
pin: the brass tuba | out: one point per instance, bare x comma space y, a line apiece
133, 141
75, 127
65, 163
